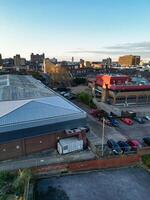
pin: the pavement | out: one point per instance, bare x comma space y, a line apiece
119, 184
35, 161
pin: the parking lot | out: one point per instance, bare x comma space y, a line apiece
120, 184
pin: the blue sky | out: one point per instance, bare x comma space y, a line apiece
89, 29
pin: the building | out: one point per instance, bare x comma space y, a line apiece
122, 89
54, 60
1, 61
32, 117
107, 61
82, 63
37, 58
17, 60
23, 62
8, 63
87, 64
129, 60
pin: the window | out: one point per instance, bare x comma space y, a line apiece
65, 147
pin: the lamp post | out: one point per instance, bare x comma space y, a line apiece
103, 132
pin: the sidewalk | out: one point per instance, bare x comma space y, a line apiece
28, 162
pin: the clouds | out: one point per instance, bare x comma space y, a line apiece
137, 48
131, 46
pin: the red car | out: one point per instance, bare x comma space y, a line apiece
127, 121
135, 144
94, 112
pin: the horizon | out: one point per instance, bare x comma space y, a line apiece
87, 29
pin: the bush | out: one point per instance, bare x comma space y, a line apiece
146, 160
86, 98
78, 81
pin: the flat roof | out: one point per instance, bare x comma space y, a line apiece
26, 103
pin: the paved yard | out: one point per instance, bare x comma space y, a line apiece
124, 132
120, 184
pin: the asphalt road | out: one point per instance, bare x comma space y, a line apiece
120, 184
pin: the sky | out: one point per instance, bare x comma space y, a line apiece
88, 29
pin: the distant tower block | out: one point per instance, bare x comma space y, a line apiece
72, 59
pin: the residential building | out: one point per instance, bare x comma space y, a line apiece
17, 60
37, 58
23, 62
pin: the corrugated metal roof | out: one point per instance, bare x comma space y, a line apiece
33, 110
38, 111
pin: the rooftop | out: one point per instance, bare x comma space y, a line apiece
25, 103
21, 87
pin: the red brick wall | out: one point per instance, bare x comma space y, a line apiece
11, 150
90, 165
29, 145
104, 163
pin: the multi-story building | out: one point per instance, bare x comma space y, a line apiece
87, 64
129, 60
23, 62
82, 63
8, 63
17, 60
107, 62
37, 58
122, 89
1, 61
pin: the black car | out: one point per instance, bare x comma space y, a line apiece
114, 146
147, 140
139, 120
124, 146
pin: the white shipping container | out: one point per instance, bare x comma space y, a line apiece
68, 145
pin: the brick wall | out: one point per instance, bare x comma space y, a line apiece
11, 150
89, 165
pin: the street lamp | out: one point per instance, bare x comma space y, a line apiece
103, 132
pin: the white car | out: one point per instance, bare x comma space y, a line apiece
147, 117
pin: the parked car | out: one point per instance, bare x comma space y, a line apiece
135, 144
114, 146
127, 121
147, 118
113, 121
147, 140
139, 120
106, 121
94, 112
124, 146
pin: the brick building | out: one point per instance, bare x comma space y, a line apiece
32, 117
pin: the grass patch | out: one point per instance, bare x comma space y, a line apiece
12, 184
146, 160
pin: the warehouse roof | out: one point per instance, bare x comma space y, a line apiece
17, 87
26, 103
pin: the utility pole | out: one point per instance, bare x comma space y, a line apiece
103, 132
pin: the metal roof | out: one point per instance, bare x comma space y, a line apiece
37, 107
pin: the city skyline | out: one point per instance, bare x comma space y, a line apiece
88, 29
